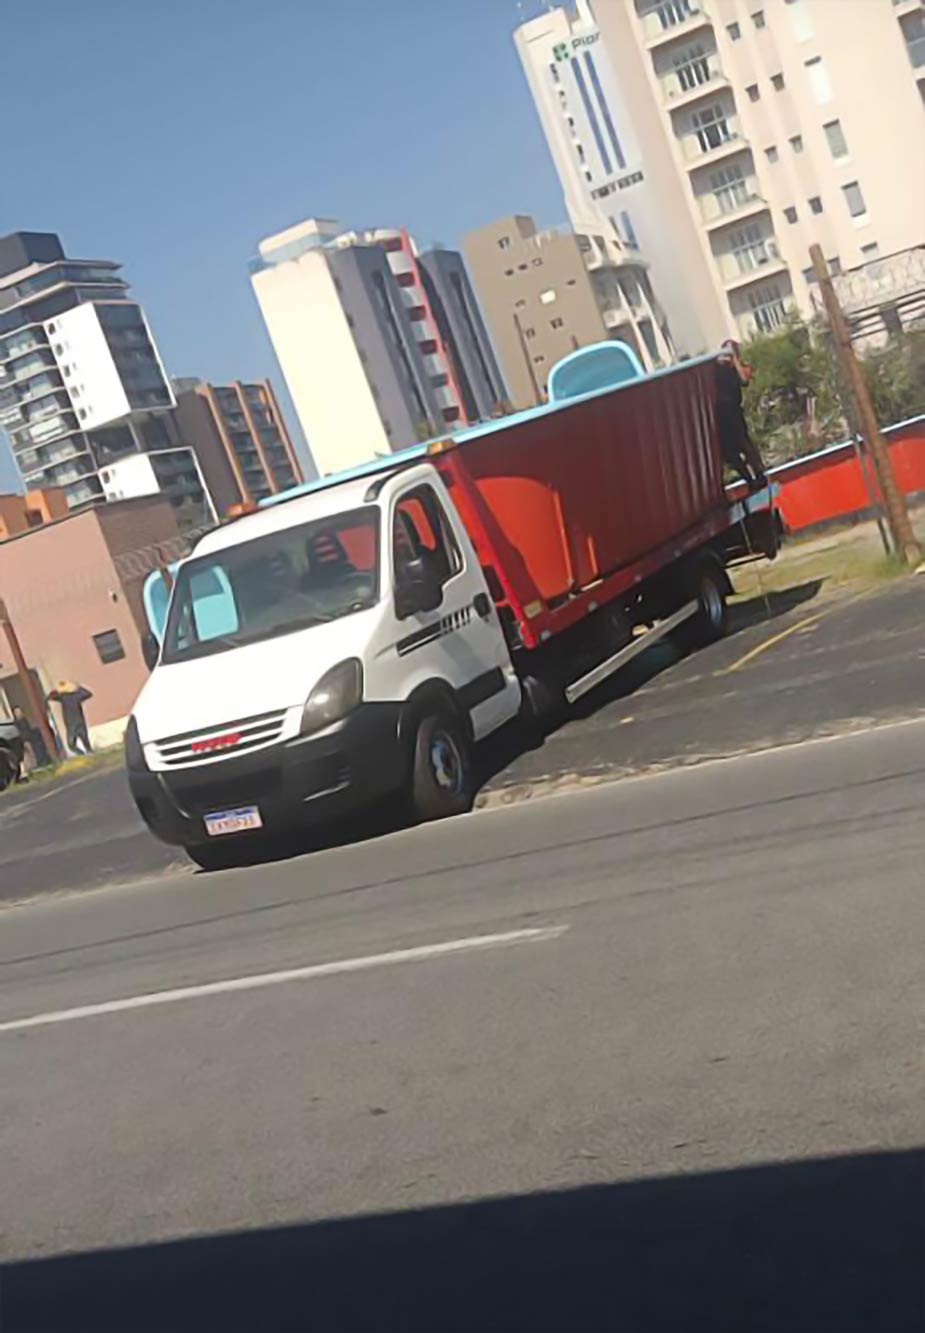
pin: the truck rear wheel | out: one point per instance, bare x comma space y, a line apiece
712, 616
441, 774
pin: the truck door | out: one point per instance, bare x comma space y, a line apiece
460, 641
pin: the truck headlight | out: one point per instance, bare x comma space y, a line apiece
134, 754
337, 693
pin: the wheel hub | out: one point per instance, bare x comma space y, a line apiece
445, 762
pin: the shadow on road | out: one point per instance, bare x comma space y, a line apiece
828, 1244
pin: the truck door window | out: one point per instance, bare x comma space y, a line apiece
421, 530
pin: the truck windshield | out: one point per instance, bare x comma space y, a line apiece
274, 585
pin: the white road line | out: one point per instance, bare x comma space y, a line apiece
254, 982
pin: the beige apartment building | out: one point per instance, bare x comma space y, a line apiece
546, 293
726, 136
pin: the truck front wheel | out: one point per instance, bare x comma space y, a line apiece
441, 774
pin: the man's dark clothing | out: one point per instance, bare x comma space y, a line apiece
75, 724
738, 449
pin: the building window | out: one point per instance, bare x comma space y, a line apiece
109, 646
554, 71
753, 93
537, 263
529, 334
540, 358
556, 323
588, 176
838, 145
522, 268
519, 305
771, 154
548, 296
735, 32
796, 143
870, 251
580, 151
816, 204
758, 18
769, 308
777, 82
504, 242
711, 127
801, 24
835, 266
509, 273
854, 199
790, 214
819, 82
750, 247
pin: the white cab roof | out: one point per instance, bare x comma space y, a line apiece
304, 509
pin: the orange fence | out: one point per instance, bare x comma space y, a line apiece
831, 485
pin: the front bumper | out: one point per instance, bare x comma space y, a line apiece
297, 784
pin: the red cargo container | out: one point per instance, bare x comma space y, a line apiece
572, 503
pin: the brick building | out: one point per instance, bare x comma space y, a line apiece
72, 588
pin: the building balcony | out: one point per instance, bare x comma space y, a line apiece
668, 19
617, 317
740, 267
712, 142
731, 204
688, 82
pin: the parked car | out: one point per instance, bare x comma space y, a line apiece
11, 752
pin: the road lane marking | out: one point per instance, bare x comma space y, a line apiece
807, 623
769, 643
257, 980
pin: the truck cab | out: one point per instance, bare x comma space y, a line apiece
317, 656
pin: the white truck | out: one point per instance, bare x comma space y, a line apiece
354, 639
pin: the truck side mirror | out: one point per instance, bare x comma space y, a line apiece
150, 650
417, 589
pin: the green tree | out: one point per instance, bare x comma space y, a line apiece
792, 403
896, 377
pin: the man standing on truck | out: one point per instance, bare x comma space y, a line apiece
72, 698
738, 448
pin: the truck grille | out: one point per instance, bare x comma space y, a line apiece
196, 747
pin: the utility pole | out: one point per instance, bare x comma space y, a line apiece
28, 683
904, 540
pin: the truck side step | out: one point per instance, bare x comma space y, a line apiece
594, 677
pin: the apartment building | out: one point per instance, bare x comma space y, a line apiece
729, 135
458, 316
545, 293
239, 437
367, 363
81, 380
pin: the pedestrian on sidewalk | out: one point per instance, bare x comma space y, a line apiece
72, 698
36, 751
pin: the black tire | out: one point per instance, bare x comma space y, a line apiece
712, 618
9, 767
441, 771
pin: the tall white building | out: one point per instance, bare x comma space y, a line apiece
379, 346
726, 136
81, 380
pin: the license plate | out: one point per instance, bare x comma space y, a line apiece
233, 821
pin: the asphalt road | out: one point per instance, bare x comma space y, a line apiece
647, 1056
800, 665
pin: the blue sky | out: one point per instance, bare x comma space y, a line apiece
172, 136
